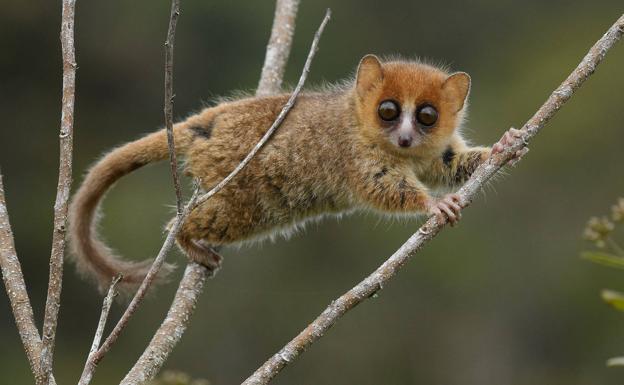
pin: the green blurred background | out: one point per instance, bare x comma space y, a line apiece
501, 299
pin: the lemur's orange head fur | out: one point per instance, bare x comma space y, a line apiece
408, 107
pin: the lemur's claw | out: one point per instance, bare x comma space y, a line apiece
447, 208
508, 138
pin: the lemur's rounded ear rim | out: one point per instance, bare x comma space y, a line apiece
457, 86
370, 59
369, 73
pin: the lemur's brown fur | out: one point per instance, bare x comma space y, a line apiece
332, 154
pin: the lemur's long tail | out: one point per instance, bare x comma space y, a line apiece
93, 257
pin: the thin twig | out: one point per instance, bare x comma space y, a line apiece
280, 118
378, 279
173, 327
86, 376
278, 49
168, 109
53, 301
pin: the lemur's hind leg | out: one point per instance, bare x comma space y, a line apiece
201, 252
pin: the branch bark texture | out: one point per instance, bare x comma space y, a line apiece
16, 291
87, 372
53, 301
172, 328
377, 280
168, 109
278, 49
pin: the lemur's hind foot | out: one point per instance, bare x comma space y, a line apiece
201, 252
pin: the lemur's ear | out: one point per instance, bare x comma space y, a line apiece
369, 74
456, 88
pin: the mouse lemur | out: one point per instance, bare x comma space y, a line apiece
379, 142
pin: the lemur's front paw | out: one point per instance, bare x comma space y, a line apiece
448, 208
509, 137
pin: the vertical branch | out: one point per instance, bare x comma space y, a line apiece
63, 188
168, 108
278, 49
16, 291
378, 279
183, 305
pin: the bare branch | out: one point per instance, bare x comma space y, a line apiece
278, 49
53, 301
178, 317
173, 327
40, 353
377, 280
16, 291
173, 20
87, 373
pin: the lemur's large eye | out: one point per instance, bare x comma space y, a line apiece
389, 110
427, 115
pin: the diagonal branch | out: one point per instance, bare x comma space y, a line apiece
16, 291
53, 301
87, 374
178, 317
278, 49
377, 280
173, 327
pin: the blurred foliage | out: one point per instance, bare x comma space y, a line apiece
600, 231
500, 299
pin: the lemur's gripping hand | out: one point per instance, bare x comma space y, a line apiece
448, 208
509, 137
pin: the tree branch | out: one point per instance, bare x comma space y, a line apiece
87, 373
53, 301
172, 328
173, 20
178, 317
16, 291
377, 280
278, 49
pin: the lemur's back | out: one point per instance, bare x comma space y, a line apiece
299, 173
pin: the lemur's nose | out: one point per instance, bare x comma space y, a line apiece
405, 141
